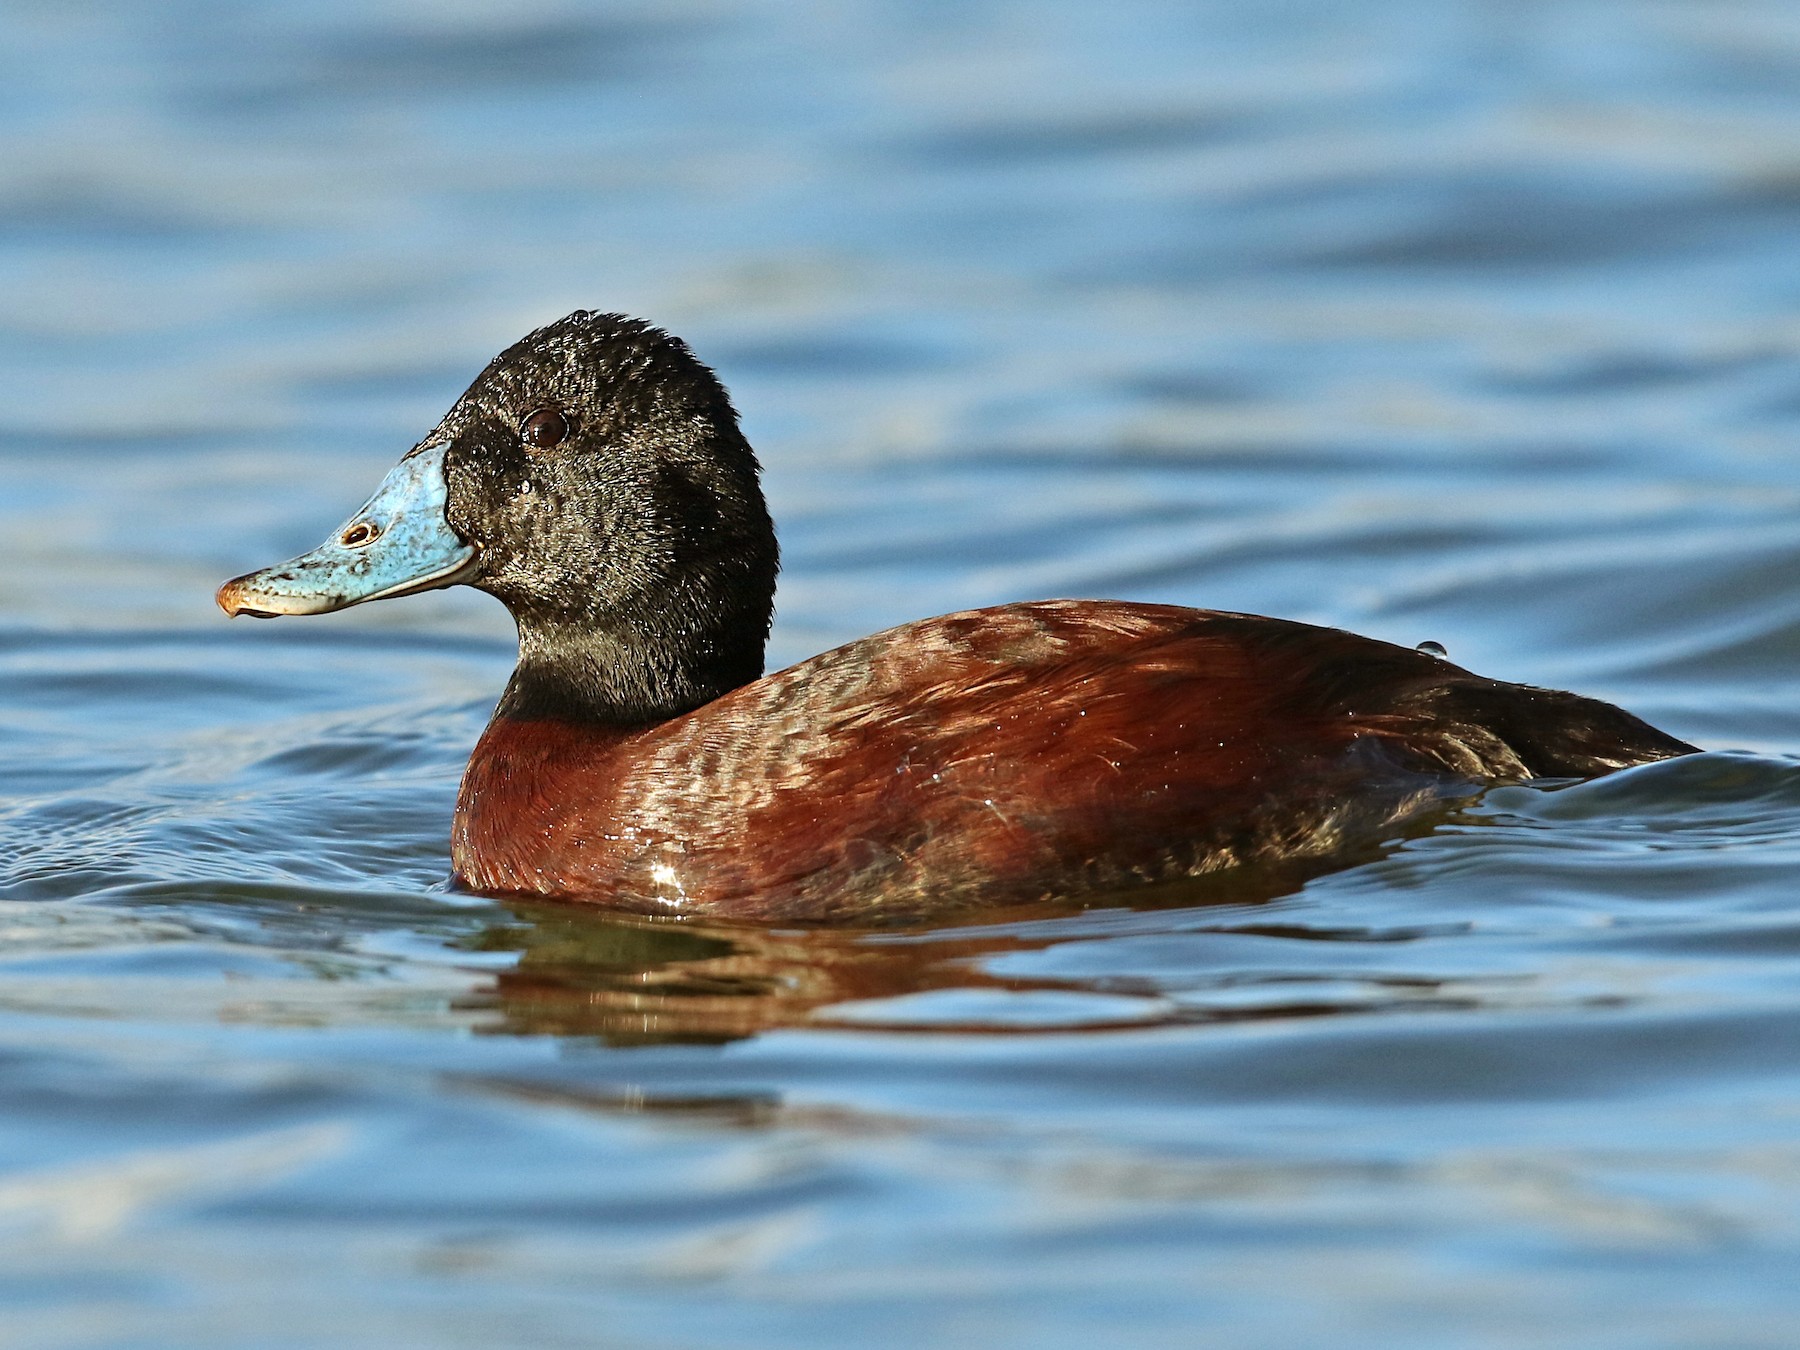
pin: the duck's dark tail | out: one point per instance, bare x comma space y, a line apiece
1501, 730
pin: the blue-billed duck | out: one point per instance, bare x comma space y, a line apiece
594, 480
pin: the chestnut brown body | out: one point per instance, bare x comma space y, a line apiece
1007, 755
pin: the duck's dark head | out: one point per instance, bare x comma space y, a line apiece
594, 480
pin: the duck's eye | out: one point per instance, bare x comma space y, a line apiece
544, 428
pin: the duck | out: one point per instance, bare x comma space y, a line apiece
594, 479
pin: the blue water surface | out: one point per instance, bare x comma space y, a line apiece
1437, 319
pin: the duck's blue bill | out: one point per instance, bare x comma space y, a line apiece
398, 543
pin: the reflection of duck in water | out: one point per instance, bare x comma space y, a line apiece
633, 979
629, 979
594, 479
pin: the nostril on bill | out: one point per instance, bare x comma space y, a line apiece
359, 534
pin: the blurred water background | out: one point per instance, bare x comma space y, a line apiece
1458, 320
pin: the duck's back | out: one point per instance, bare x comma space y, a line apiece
1009, 754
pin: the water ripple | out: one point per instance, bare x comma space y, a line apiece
1440, 322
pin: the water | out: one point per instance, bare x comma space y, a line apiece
1471, 323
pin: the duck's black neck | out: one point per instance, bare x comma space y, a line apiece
631, 673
